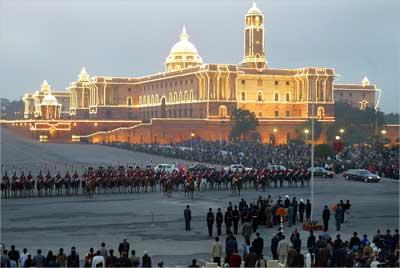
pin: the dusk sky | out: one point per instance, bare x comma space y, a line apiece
53, 39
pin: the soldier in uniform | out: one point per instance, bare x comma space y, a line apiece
219, 219
228, 220
210, 221
235, 217
188, 217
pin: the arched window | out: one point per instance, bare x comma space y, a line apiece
185, 95
156, 99
170, 97
259, 96
223, 111
320, 112
175, 96
140, 100
243, 96
148, 99
152, 99
363, 104
180, 96
191, 95
287, 96
276, 96
129, 101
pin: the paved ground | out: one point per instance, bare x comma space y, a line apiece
151, 221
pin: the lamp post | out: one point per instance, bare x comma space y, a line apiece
191, 140
306, 131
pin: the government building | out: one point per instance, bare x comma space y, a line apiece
192, 98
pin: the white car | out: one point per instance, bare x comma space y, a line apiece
237, 167
169, 168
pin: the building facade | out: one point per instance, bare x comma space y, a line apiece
362, 96
193, 92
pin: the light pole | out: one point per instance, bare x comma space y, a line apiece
306, 131
191, 140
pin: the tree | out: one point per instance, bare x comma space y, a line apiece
307, 125
243, 122
11, 109
358, 125
323, 150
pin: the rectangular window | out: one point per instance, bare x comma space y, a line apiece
287, 83
243, 82
276, 113
351, 94
259, 82
287, 113
276, 83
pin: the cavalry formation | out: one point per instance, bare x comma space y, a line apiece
136, 179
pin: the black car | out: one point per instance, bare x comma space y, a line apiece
361, 175
321, 172
199, 167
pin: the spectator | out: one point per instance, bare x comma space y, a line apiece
73, 258
61, 258
146, 259
111, 260
216, 251
98, 260
103, 250
39, 259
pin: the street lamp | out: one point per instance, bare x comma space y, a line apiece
337, 138
306, 131
383, 131
275, 130
341, 130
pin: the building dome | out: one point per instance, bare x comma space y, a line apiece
254, 10
183, 54
49, 100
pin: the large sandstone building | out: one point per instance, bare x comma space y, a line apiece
193, 98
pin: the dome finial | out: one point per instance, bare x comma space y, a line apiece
254, 5
45, 87
184, 36
365, 81
83, 76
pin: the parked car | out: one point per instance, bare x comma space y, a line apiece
321, 172
361, 175
237, 167
276, 167
169, 168
199, 167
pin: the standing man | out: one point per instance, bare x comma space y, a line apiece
302, 208
228, 221
308, 210
290, 215
338, 216
219, 219
236, 217
283, 248
210, 222
216, 251
247, 231
188, 217
258, 245
326, 215
123, 247
347, 207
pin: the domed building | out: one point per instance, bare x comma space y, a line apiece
196, 99
33, 102
183, 54
50, 108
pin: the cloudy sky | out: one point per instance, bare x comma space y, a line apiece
53, 39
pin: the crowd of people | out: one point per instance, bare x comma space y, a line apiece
377, 159
102, 257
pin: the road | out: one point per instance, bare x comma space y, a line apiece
151, 221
